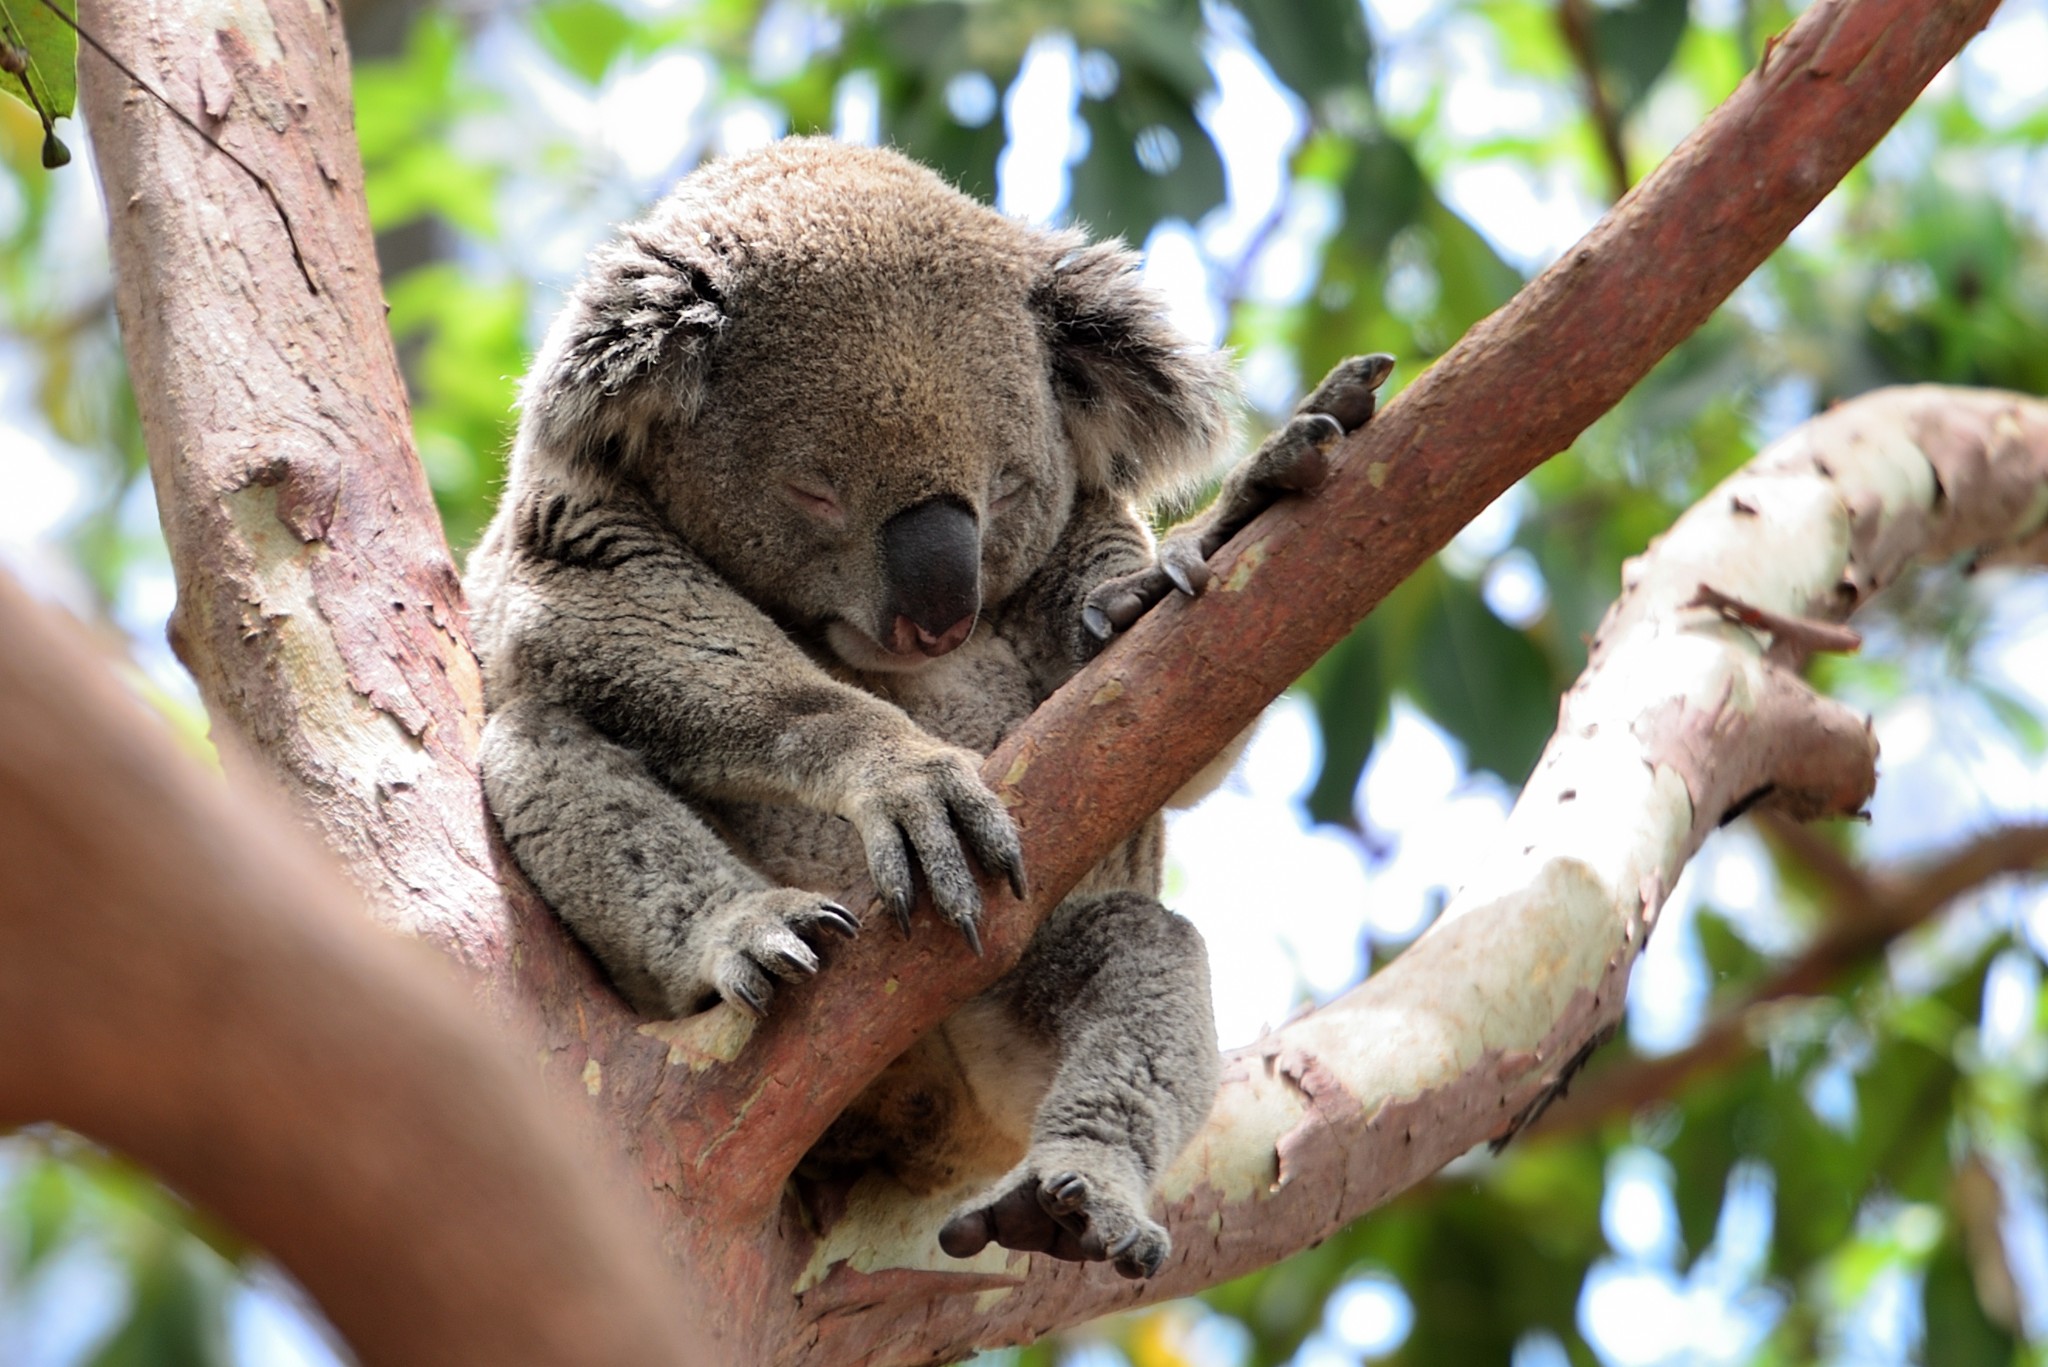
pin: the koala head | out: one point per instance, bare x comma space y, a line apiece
868, 401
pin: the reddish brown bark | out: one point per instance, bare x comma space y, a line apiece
320, 614
189, 979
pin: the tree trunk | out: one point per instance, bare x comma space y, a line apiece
320, 612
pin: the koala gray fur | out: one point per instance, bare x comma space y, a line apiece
826, 476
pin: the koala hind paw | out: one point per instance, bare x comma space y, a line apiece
768, 935
1066, 1215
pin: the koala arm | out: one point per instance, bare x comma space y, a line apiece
1294, 459
611, 616
1105, 540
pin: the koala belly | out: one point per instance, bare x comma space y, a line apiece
956, 1108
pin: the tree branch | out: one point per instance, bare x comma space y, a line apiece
1857, 933
1575, 22
189, 981
1681, 718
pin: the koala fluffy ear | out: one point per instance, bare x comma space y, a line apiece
1146, 409
623, 362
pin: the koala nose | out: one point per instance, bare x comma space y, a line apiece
931, 565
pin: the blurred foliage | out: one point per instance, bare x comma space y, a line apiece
1894, 1147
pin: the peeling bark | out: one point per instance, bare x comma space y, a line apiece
320, 613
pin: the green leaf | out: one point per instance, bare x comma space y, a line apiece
585, 36
2019, 719
913, 52
1635, 43
1315, 46
1480, 679
1956, 1318
1384, 192
1349, 689
177, 1316
41, 69
1148, 159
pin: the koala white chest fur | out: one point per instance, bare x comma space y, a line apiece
826, 476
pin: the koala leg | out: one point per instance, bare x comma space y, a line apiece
673, 914
1119, 986
1295, 459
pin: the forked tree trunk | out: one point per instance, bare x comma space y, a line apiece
320, 612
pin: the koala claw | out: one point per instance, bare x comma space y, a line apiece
1098, 623
972, 934
1064, 1193
766, 935
898, 903
937, 808
838, 919
1183, 562
751, 998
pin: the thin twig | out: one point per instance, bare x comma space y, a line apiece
1574, 18
1805, 632
298, 257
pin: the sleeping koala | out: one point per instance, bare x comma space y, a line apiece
826, 476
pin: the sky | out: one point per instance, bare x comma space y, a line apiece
1288, 909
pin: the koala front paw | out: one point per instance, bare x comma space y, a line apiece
1067, 1214
762, 936
1350, 392
936, 804
1114, 604
1293, 460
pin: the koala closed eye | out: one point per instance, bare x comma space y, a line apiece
1008, 486
817, 501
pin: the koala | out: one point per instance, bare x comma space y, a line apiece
825, 477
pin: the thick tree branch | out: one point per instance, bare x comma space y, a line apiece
1858, 931
189, 980
318, 606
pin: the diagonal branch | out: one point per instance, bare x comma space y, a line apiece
1858, 931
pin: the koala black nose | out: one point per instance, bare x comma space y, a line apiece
931, 565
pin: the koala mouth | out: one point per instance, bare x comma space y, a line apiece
908, 647
908, 638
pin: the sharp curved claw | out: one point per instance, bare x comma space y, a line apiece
971, 933
1180, 578
838, 919
1020, 887
1098, 623
751, 999
899, 906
